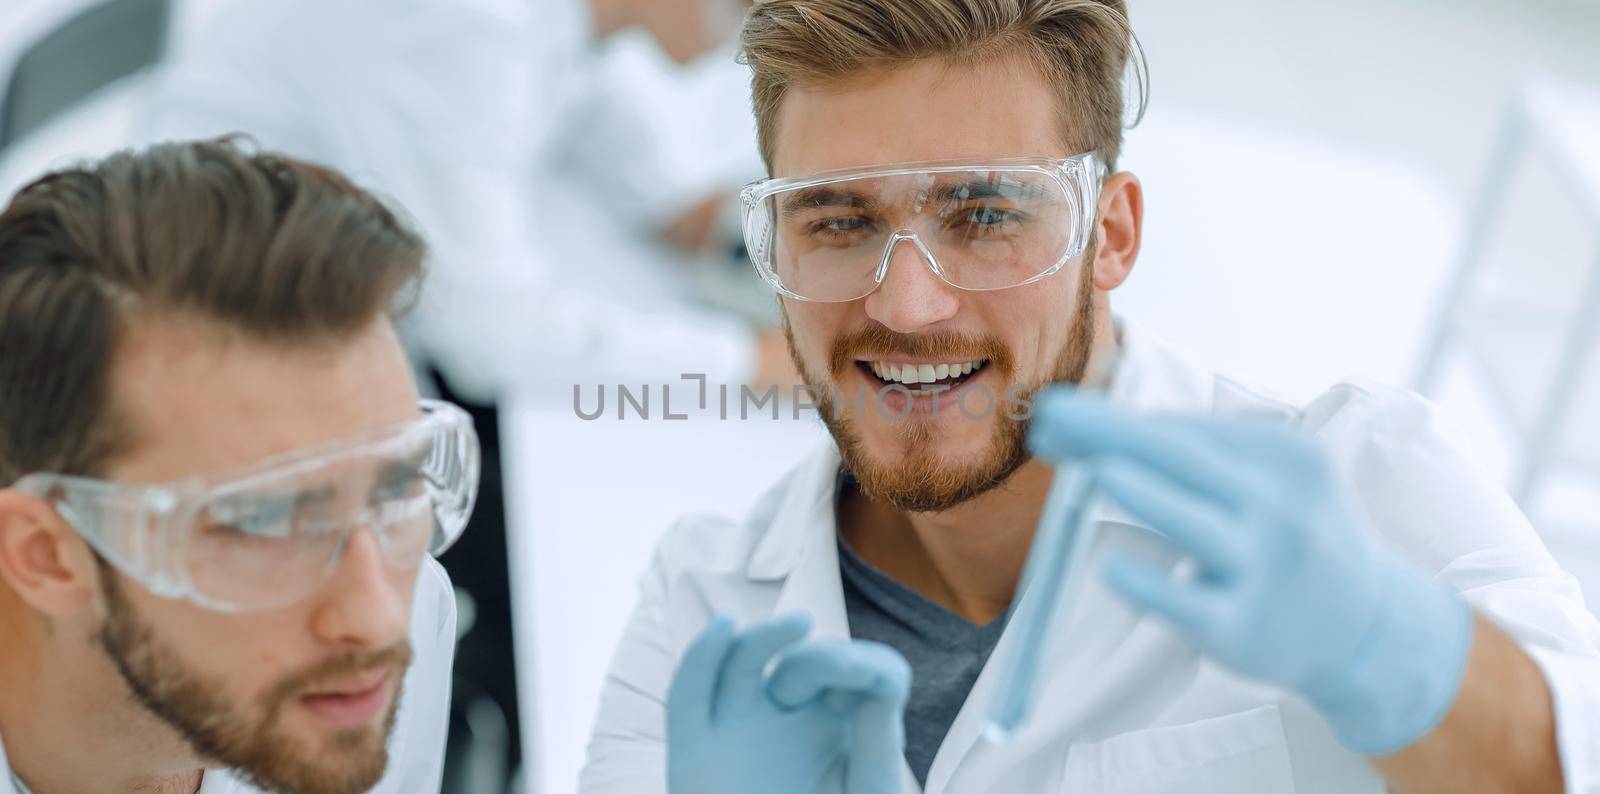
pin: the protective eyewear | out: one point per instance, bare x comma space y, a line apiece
275, 533
979, 225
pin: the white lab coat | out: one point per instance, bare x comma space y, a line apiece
459, 111
416, 747
1129, 707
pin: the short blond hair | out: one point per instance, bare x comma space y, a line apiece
1082, 47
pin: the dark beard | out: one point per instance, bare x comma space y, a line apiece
220, 731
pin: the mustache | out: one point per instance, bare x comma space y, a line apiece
396, 657
877, 340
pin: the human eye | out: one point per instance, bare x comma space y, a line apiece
400, 485
839, 229
255, 535
990, 216
984, 220
244, 519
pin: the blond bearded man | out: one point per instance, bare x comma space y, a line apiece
1286, 598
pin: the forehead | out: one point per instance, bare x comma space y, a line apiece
199, 400
928, 110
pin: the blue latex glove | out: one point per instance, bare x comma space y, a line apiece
735, 728
1288, 587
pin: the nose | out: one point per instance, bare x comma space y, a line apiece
362, 607
911, 297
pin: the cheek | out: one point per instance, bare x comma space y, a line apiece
405, 584
246, 653
1034, 321
812, 326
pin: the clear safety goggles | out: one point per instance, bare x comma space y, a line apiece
275, 533
979, 225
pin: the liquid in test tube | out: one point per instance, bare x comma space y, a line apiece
1050, 581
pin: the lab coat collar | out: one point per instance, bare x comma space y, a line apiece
803, 518
1150, 376
800, 547
6, 776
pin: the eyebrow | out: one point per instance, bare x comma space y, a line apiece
806, 198
394, 473
819, 196
985, 189
401, 472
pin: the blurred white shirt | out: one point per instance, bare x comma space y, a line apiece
463, 112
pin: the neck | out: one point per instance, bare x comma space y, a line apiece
967, 559
60, 703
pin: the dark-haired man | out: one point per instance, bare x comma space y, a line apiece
220, 490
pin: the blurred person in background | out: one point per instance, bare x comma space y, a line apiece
219, 491
495, 125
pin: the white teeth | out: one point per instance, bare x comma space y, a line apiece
912, 374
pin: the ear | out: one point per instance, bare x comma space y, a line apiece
1118, 233
41, 558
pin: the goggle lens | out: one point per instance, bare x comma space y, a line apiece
977, 229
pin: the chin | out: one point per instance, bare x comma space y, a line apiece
956, 443
933, 472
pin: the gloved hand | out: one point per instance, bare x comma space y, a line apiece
732, 728
1288, 587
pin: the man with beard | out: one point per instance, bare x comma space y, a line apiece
1320, 598
222, 493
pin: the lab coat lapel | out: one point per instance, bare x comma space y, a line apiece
1101, 631
814, 584
5, 772
962, 742
1154, 377
1105, 660
800, 549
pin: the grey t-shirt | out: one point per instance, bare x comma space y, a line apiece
946, 651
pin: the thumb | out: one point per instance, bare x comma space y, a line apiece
877, 748
878, 735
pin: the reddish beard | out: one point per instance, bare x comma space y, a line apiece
919, 479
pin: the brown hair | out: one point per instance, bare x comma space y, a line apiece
282, 250
1081, 46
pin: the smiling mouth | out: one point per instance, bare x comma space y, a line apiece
924, 378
